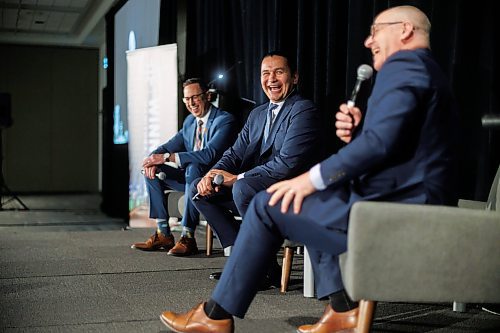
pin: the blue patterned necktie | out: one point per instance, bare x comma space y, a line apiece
270, 120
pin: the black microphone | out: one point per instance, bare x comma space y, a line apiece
161, 175
218, 180
364, 73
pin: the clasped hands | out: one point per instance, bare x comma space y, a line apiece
149, 164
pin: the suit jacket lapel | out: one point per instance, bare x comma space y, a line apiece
192, 130
210, 120
285, 110
260, 121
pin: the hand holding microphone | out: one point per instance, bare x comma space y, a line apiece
348, 118
217, 181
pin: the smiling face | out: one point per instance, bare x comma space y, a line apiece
195, 100
398, 28
384, 39
276, 78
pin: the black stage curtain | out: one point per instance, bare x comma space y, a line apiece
327, 37
168, 22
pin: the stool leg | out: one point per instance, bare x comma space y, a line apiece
308, 275
459, 307
210, 239
286, 269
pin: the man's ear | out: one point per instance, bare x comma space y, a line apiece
295, 78
407, 31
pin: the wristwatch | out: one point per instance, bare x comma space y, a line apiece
165, 157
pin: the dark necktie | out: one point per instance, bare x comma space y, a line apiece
270, 120
199, 136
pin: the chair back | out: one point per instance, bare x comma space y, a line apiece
494, 197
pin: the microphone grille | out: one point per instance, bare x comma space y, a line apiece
162, 175
218, 179
364, 72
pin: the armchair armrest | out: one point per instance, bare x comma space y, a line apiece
471, 204
422, 253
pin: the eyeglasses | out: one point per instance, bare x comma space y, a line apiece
373, 28
194, 98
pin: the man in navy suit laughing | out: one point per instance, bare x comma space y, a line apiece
279, 140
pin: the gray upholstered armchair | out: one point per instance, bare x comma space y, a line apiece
423, 253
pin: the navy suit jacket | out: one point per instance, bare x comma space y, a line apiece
291, 148
406, 148
219, 134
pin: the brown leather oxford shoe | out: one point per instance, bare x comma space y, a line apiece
186, 246
156, 242
332, 321
196, 321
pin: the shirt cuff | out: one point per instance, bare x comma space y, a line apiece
240, 176
315, 177
177, 160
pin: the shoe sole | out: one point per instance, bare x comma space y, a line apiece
183, 254
153, 249
168, 326
347, 330
176, 331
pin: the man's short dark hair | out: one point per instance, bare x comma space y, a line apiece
290, 61
194, 80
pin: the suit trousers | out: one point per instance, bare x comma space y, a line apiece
221, 207
178, 180
321, 226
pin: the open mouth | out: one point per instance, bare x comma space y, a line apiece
274, 89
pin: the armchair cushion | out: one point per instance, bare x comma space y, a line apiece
422, 253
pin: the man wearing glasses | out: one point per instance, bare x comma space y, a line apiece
403, 152
204, 136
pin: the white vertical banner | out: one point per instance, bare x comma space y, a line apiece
152, 115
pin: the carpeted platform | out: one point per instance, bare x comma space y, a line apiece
69, 268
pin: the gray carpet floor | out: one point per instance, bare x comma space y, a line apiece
66, 267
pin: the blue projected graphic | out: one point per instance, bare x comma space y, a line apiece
119, 135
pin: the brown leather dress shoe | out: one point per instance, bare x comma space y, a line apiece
156, 242
196, 321
186, 246
332, 321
